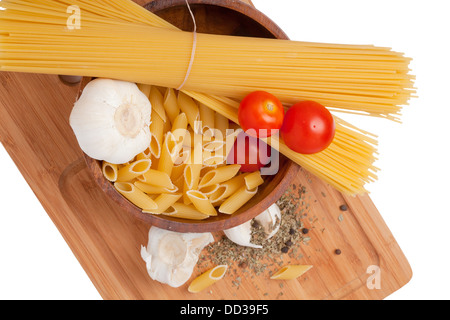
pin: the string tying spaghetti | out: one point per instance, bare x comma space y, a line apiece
194, 48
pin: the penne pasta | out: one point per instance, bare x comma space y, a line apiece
157, 101
135, 196
209, 190
233, 185
207, 279
157, 132
110, 171
201, 202
214, 146
219, 175
237, 200
157, 178
164, 201
207, 117
191, 178
150, 189
145, 88
218, 195
171, 104
291, 272
133, 170
177, 171
221, 125
253, 180
179, 182
169, 154
192, 175
179, 127
191, 109
213, 160
183, 211
146, 154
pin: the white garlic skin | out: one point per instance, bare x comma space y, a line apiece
111, 120
171, 256
241, 235
269, 219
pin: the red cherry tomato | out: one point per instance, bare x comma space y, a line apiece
250, 152
308, 127
261, 114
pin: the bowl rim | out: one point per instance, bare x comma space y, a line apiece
235, 5
179, 225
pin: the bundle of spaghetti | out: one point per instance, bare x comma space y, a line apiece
362, 79
109, 25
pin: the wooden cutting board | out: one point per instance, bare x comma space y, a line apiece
34, 129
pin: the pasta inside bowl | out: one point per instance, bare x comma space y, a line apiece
185, 195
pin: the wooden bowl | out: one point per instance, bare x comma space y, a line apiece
226, 17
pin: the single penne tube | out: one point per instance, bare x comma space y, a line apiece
221, 124
207, 278
157, 100
135, 196
219, 175
179, 182
157, 132
133, 170
215, 160
151, 189
253, 180
230, 140
192, 173
183, 211
201, 202
237, 200
183, 156
188, 141
169, 152
214, 145
145, 88
110, 171
146, 154
209, 190
157, 178
218, 195
230, 187
191, 176
207, 117
290, 272
191, 109
179, 127
177, 171
171, 104
164, 201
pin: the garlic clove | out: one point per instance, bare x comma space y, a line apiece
242, 235
171, 256
111, 120
269, 219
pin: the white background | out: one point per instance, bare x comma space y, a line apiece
411, 193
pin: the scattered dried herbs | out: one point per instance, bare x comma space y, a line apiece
281, 249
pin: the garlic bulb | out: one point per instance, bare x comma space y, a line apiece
111, 120
171, 256
270, 221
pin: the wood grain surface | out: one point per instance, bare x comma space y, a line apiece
34, 129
